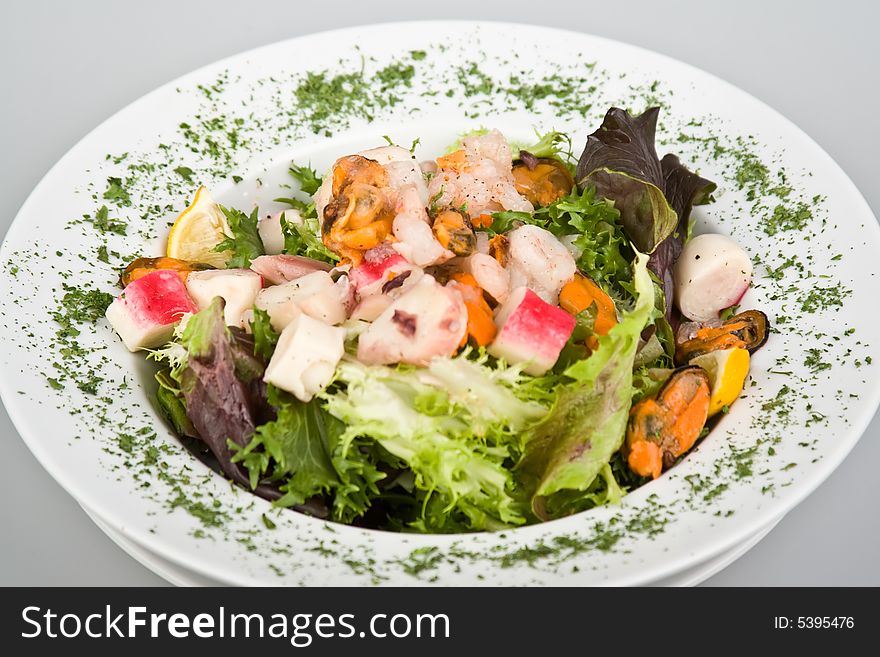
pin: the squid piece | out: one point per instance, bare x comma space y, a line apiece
429, 320
278, 269
712, 273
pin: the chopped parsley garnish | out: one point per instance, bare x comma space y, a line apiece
785, 218
814, 361
184, 172
116, 192
103, 223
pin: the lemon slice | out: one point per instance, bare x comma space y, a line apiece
198, 229
727, 369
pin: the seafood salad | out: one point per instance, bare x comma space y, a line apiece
502, 335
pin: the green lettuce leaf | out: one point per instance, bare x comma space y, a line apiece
297, 444
550, 144
265, 337
307, 177
305, 239
245, 243
456, 426
619, 159
575, 349
172, 405
300, 452
577, 439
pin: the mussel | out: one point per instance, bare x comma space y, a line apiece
359, 214
454, 231
542, 180
142, 266
747, 330
499, 247
663, 427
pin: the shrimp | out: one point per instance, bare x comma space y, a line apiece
479, 175
415, 239
489, 274
536, 259
402, 167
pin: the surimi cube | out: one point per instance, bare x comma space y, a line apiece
237, 287
379, 266
145, 314
530, 331
305, 357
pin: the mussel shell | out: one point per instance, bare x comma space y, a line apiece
751, 335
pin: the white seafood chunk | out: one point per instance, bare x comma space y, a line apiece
537, 260
237, 287
712, 273
305, 357
429, 320
277, 269
314, 294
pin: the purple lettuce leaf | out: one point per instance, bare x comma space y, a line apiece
683, 190
620, 161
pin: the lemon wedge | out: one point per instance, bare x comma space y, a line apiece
727, 370
198, 230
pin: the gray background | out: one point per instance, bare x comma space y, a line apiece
67, 66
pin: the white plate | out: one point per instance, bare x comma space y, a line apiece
171, 573
775, 446
180, 576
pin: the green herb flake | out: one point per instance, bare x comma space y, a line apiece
185, 173
116, 192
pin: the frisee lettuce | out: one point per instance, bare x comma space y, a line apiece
550, 144
244, 243
265, 337
307, 177
295, 444
305, 239
455, 425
